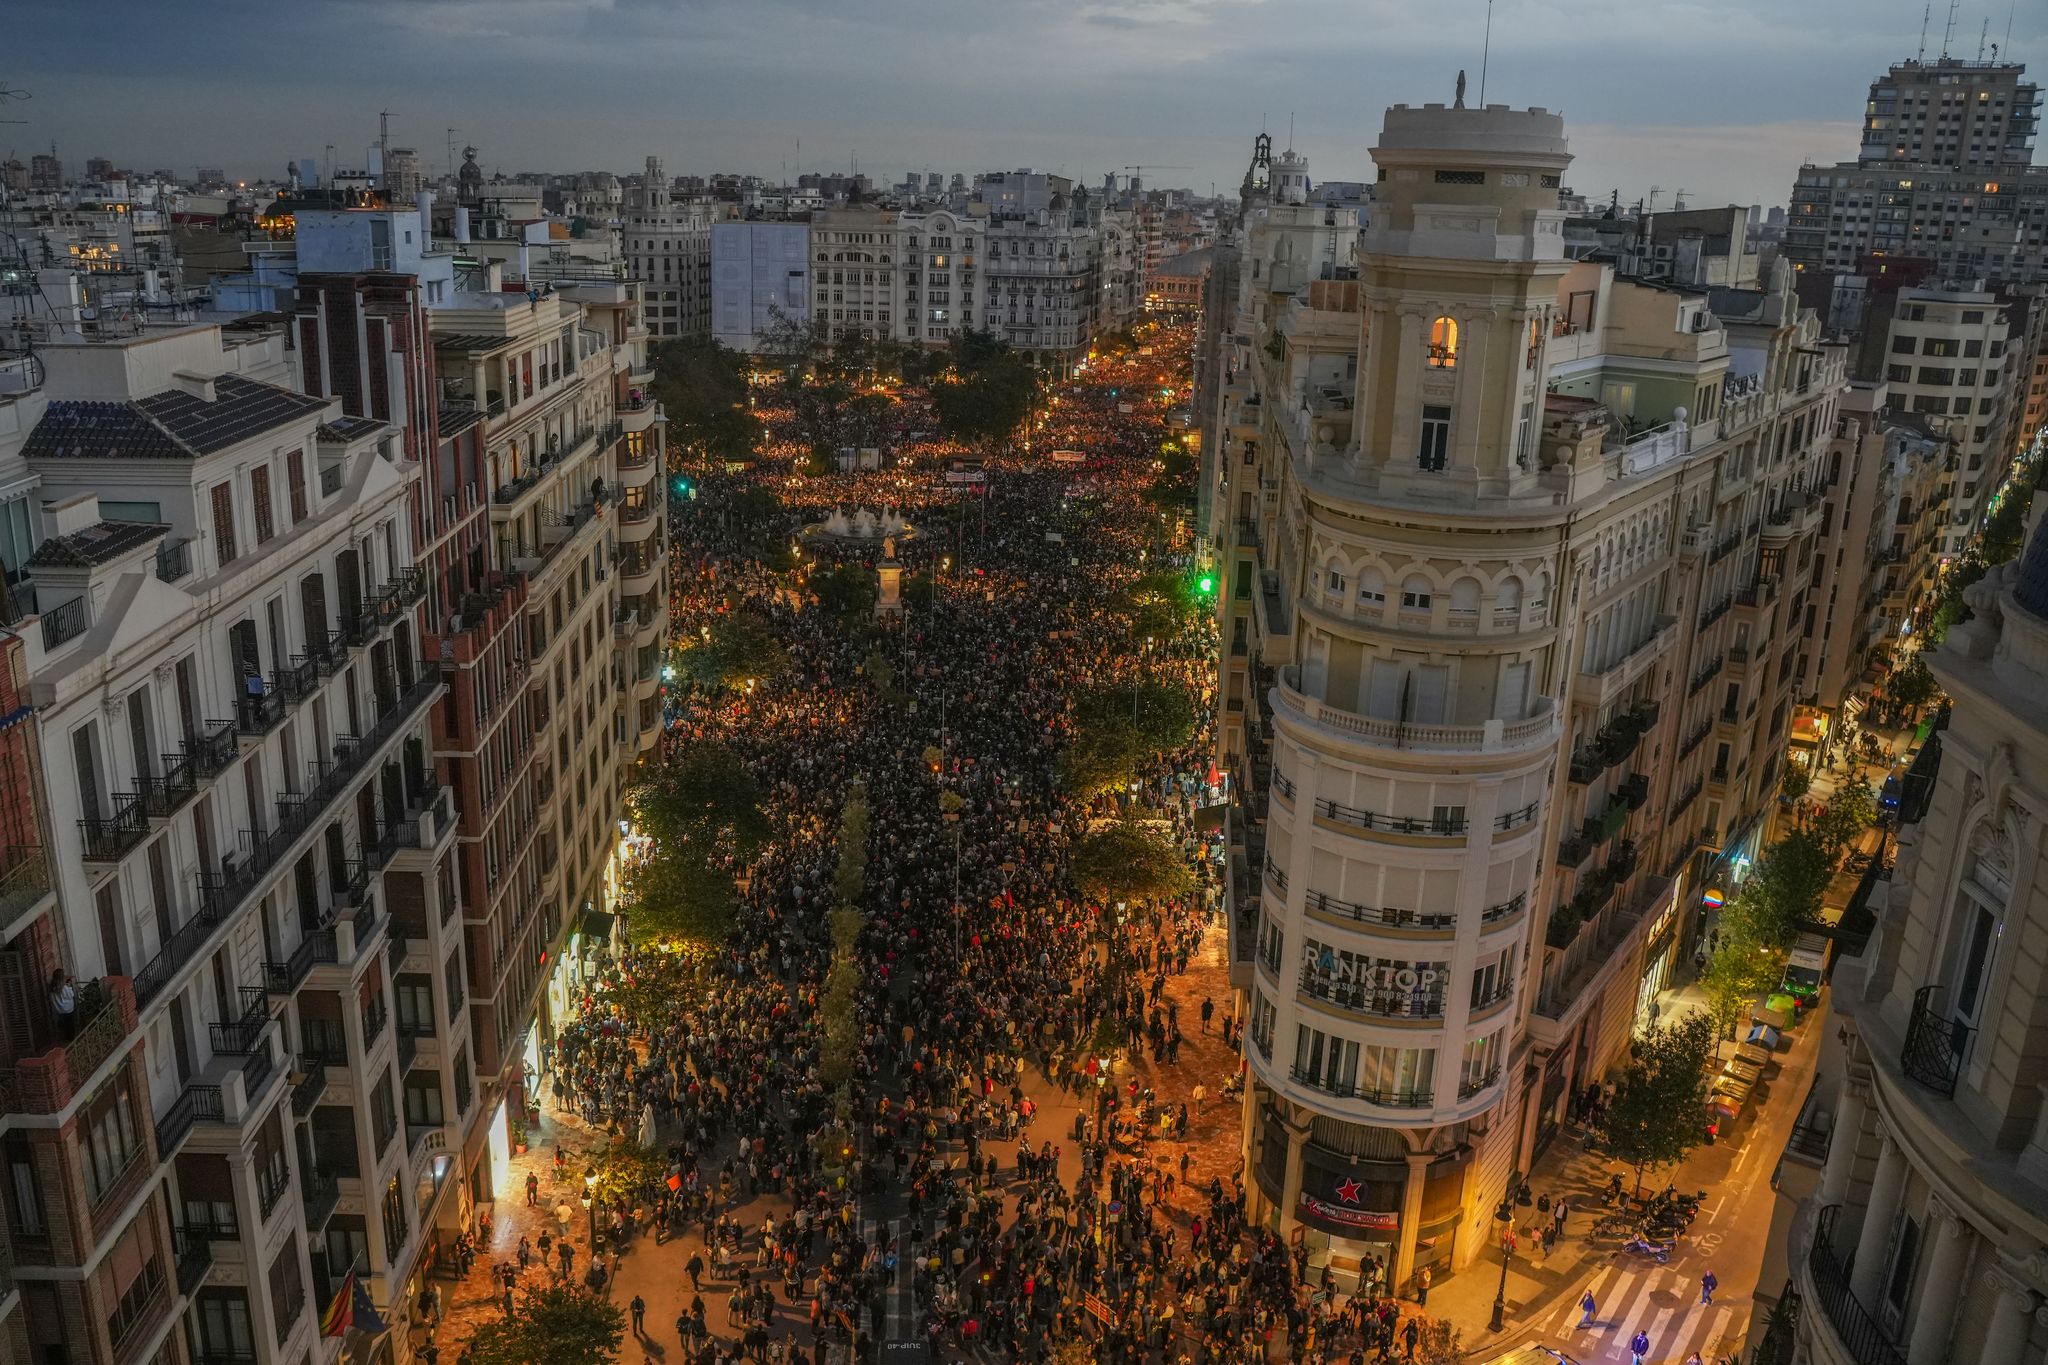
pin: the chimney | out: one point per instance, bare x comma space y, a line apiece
425, 200
461, 225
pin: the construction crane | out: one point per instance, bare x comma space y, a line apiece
1137, 173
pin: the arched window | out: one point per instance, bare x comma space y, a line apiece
1507, 602
1465, 600
1372, 589
1415, 593
1443, 343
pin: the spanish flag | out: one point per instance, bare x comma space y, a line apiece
340, 1314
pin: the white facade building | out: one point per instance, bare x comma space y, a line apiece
667, 247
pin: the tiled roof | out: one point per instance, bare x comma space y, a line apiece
348, 428
96, 544
174, 425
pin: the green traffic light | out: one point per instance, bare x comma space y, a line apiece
1207, 585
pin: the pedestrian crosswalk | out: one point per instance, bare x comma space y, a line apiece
1661, 1301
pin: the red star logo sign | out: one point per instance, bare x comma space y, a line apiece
1347, 1191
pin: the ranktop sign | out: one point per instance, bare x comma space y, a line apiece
1349, 1215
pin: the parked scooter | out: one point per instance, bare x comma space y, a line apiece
1659, 1252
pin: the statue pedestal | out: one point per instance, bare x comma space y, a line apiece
889, 600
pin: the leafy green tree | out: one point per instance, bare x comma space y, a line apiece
556, 1324
1797, 781
1912, 684
1849, 812
1100, 756
703, 811
987, 391
702, 387
1741, 971
846, 593
1659, 1111
741, 650
1949, 607
1129, 861
624, 1168
1783, 891
839, 1007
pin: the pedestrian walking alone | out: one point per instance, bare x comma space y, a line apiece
1708, 1284
1586, 1309
639, 1316
1422, 1287
1638, 1347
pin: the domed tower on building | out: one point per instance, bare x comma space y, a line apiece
469, 180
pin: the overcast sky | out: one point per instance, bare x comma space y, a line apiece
1723, 99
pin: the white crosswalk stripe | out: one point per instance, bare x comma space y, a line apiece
1627, 1300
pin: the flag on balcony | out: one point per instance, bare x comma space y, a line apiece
363, 1313
340, 1314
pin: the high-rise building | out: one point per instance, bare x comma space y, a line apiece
1945, 172
1961, 358
1927, 1240
1517, 553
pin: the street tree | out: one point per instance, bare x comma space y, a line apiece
555, 1324
1101, 754
1849, 812
846, 593
625, 1168
1797, 781
1659, 1111
986, 391
1741, 971
739, 650
1129, 861
1782, 893
702, 387
702, 810
1912, 684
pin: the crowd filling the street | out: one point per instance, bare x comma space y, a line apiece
1004, 1163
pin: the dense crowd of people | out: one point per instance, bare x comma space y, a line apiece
920, 1201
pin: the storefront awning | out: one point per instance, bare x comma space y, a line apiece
597, 926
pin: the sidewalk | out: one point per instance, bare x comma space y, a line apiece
1735, 1172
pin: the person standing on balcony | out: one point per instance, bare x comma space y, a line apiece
63, 1004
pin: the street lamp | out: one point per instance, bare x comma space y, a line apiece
1504, 1215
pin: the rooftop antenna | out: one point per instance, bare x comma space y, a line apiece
1290, 130
2008, 24
383, 146
1678, 202
1926, 14
1654, 191
1485, 51
1948, 29
1982, 34
9, 93
451, 153
330, 165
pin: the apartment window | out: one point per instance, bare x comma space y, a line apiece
259, 492
224, 523
1904, 344
224, 1324
295, 483
107, 1138
1325, 1060
287, 1292
1436, 438
1416, 595
131, 1277
423, 1101
1443, 343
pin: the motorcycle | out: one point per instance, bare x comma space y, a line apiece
1659, 1252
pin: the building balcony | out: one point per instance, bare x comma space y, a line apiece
318, 1196
309, 1083
517, 496
1351, 1090
1758, 596
194, 1252
1614, 743
223, 893
1390, 824
1935, 1046
1405, 923
47, 1083
109, 838
1487, 737
1599, 689
1861, 1338
1379, 1002
638, 522
25, 887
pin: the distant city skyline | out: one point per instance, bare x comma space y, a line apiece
781, 87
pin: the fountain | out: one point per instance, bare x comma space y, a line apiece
864, 526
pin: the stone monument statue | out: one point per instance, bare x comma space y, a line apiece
889, 601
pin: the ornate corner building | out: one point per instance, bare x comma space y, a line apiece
1517, 550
